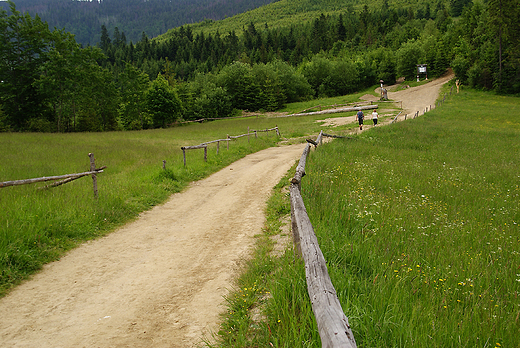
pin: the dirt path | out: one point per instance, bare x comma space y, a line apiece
413, 99
156, 282
159, 281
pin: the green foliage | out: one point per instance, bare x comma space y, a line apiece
131, 17
162, 102
383, 63
293, 84
331, 77
239, 82
22, 50
133, 84
202, 98
3, 122
407, 57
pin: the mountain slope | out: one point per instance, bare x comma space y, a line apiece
131, 17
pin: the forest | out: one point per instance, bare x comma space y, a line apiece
50, 83
84, 18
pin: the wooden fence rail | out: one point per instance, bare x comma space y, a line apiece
229, 138
48, 178
63, 178
332, 323
395, 118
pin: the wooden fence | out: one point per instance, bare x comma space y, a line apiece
332, 323
63, 179
227, 140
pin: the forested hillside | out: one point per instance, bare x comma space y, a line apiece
50, 83
84, 18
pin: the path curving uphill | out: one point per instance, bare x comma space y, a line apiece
159, 281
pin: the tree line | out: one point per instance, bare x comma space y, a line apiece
50, 83
154, 17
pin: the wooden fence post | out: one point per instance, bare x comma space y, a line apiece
164, 164
248, 134
218, 146
205, 153
94, 177
256, 134
184, 155
228, 142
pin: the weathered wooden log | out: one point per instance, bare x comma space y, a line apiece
46, 178
201, 146
94, 177
61, 182
335, 136
310, 141
319, 139
214, 141
238, 136
300, 169
395, 118
332, 323
267, 130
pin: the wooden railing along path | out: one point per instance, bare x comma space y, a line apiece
332, 323
63, 178
228, 139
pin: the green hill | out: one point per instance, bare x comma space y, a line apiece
284, 13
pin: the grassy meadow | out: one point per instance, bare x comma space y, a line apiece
419, 224
38, 226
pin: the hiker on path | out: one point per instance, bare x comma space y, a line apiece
360, 116
374, 117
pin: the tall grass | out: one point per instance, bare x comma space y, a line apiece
419, 224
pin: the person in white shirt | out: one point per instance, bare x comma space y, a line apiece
374, 117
